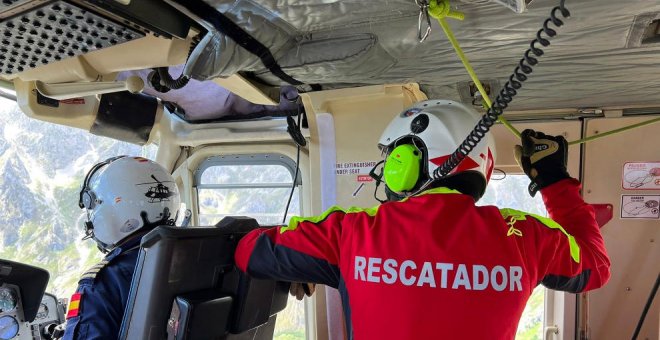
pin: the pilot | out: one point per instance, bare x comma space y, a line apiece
124, 197
429, 263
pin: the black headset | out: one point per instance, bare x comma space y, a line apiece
87, 196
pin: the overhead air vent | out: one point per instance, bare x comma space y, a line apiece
645, 31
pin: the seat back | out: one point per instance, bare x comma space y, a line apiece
185, 283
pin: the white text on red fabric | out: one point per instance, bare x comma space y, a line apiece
438, 274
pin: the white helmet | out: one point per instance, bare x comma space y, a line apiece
124, 195
421, 139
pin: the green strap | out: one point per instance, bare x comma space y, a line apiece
615, 131
520, 216
441, 9
296, 220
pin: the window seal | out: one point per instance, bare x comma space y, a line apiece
246, 159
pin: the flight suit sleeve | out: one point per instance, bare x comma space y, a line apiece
306, 250
575, 259
101, 301
98, 317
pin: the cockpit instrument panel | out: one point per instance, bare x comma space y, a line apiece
13, 325
8, 299
10, 312
8, 327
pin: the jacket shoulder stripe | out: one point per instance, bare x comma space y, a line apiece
295, 220
548, 222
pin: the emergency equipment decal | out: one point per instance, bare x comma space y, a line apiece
641, 176
354, 168
640, 206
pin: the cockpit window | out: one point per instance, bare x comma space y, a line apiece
41, 168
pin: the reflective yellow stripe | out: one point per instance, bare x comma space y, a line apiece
295, 220
520, 216
440, 190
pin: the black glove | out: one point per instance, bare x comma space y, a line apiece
299, 289
543, 158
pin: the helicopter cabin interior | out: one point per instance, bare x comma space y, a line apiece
288, 99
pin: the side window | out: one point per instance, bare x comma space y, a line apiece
511, 192
257, 186
250, 185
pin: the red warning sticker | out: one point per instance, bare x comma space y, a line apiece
73, 101
364, 178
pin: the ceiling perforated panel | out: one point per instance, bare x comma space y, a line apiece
54, 32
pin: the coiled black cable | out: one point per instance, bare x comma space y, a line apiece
160, 78
509, 90
167, 80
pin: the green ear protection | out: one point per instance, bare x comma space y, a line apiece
401, 169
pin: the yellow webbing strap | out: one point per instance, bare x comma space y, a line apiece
615, 131
440, 9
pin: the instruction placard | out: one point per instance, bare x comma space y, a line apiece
354, 168
641, 176
640, 206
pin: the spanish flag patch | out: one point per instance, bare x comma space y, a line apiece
74, 306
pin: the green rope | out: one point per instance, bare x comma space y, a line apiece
440, 9
615, 131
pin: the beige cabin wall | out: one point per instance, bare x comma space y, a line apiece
632, 244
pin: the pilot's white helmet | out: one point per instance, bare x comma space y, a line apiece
421, 139
123, 195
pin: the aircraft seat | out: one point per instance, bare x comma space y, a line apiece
186, 286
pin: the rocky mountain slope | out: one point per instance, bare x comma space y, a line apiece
41, 168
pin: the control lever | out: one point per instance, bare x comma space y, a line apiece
53, 331
65, 91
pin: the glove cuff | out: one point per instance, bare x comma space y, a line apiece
545, 181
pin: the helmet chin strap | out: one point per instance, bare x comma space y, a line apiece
89, 234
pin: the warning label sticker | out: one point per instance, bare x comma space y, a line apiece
641, 176
354, 168
73, 101
640, 206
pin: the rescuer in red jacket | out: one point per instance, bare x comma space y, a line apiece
429, 263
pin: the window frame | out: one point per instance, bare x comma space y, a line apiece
249, 159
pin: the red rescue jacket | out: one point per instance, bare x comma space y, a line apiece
436, 266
